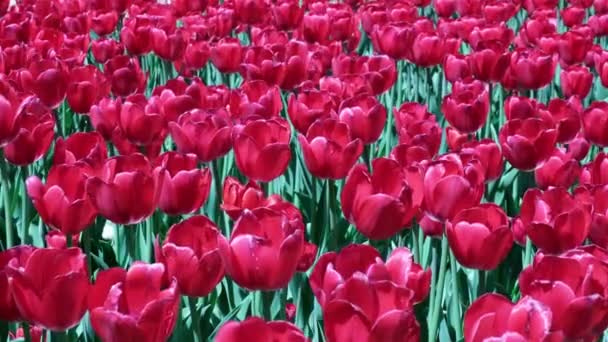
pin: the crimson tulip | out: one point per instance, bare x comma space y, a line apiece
416, 126
125, 75
287, 14
428, 49
86, 86
133, 305
104, 23
57, 240
596, 172
576, 80
127, 189
136, 35
206, 134
566, 114
456, 68
379, 70
328, 149
597, 23
36, 334
184, 187
573, 46
488, 153
9, 115
379, 204
256, 329
8, 308
488, 65
308, 106
597, 197
105, 116
50, 287
574, 15
104, 49
35, 130
595, 123
255, 99
227, 55
365, 116
140, 121
259, 63
48, 79
394, 40
527, 143
554, 220
532, 69
87, 150
466, 108
170, 46
560, 170
263, 251
237, 197
480, 236
191, 255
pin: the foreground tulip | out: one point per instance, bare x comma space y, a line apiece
127, 190
527, 143
466, 108
263, 251
184, 187
480, 236
595, 123
554, 220
191, 255
328, 149
261, 149
492, 317
256, 329
50, 287
62, 202
8, 309
133, 305
380, 204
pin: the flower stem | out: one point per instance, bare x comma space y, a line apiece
8, 213
195, 317
25, 210
456, 295
436, 305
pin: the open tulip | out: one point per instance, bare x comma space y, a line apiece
35, 130
226, 55
125, 75
532, 69
133, 305
560, 170
8, 309
48, 79
467, 107
365, 116
105, 116
527, 143
86, 86
87, 150
308, 106
191, 255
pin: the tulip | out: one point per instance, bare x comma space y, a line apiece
554, 220
87, 150
576, 297
416, 126
573, 46
35, 130
226, 55
574, 15
328, 149
595, 123
237, 197
256, 99
62, 202
169, 46
148, 308
596, 172
428, 50
104, 49
308, 106
50, 287
466, 108
566, 114
480, 236
456, 68
259, 63
127, 190
496, 37
251, 11
493, 317
532, 69
263, 251
184, 186
488, 153
261, 149
47, 79
184, 7
394, 40
206, 134
136, 35
597, 197
560, 170
196, 56
365, 116
527, 143
488, 65
57, 240
125, 75
379, 70
140, 121
381, 204
104, 23
449, 188
191, 255
36, 334
578, 147
8, 118
598, 24
263, 331
521, 107
576, 81
287, 14
8, 308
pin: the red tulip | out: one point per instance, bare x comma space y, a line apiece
260, 63
379, 70
35, 130
500, 11
196, 56
328, 149
466, 108
184, 187
62, 202
527, 143
48, 79
263, 251
237, 197
495, 37
206, 134
566, 114
105, 116
596, 172
184, 7
127, 190
456, 68
57, 240
136, 35
488, 65
9, 115
380, 204
576, 81
365, 116
573, 46
416, 126
226, 55
87, 150
104, 49
492, 317
36, 334
597, 23
532, 69
308, 106
256, 329
480, 236
86, 87
597, 197
578, 147
191, 255
261, 149
255, 99
169, 46
104, 23
450, 187
287, 14
554, 220
573, 16
133, 305
488, 153
18, 254
140, 121
560, 170
573, 287
50, 287
394, 40
428, 50
595, 123
251, 11
125, 75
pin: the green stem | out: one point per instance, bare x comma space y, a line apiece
68, 240
528, 253
266, 304
59, 336
25, 208
416, 244
27, 337
331, 219
436, 309
456, 295
195, 317
8, 213
85, 240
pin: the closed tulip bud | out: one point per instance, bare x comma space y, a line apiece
148, 309
261, 149
185, 187
196, 55
394, 40
466, 108
263, 331
103, 23
595, 123
136, 35
8, 307
554, 220
191, 255
264, 250
532, 69
308, 106
206, 134
105, 116
480, 236
416, 126
328, 149
127, 190
365, 116
576, 81
428, 50
226, 55
57, 240
578, 147
527, 143
169, 46
86, 87
287, 14
35, 131
41, 283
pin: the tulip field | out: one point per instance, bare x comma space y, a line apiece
304, 170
